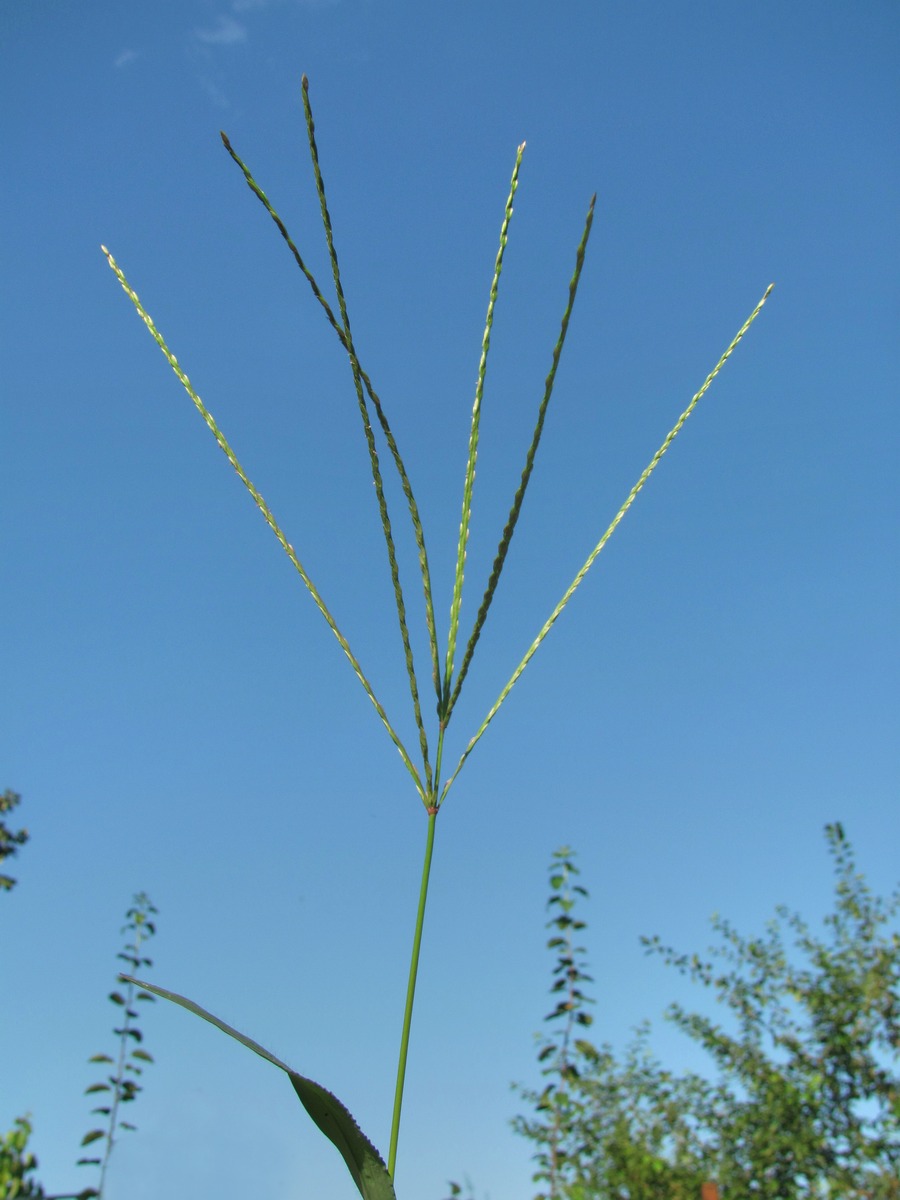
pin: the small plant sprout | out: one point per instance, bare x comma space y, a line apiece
449, 660
122, 1086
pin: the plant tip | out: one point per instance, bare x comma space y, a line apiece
224, 136
304, 82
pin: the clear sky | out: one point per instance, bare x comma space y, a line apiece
176, 713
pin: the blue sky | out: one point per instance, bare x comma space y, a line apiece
176, 714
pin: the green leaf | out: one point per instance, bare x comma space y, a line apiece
364, 1163
142, 1055
132, 1033
96, 1087
100, 1058
92, 1136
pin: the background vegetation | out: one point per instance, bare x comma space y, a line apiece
802, 1099
801, 1102
18, 1164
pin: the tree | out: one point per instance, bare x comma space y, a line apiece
120, 1087
9, 841
810, 1098
806, 1098
601, 1128
16, 1163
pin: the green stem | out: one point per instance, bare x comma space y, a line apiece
410, 995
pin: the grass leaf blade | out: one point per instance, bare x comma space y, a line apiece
363, 1161
266, 512
513, 518
629, 500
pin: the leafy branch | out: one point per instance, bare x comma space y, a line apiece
9, 841
122, 1086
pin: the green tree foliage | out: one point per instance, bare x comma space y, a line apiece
805, 1102
809, 1100
601, 1128
9, 841
16, 1162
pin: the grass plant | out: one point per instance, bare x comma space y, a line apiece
429, 777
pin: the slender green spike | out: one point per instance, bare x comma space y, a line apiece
282, 229
267, 514
456, 602
370, 442
323, 205
510, 527
632, 495
376, 402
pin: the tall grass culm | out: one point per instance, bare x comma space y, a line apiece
449, 660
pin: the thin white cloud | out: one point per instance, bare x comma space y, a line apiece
250, 5
215, 92
227, 32
124, 58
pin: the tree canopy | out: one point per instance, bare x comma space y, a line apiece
9, 841
804, 1097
